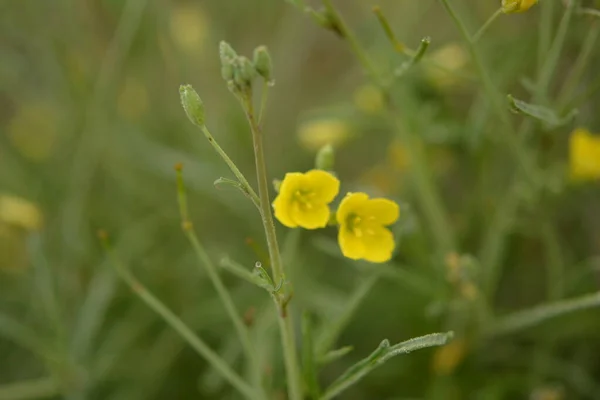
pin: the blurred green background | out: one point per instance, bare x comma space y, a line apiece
91, 126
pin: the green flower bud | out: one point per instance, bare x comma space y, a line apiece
244, 73
192, 104
262, 62
325, 158
228, 57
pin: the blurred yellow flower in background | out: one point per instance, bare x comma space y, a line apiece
19, 212
133, 99
584, 155
452, 57
34, 130
448, 357
317, 133
369, 99
189, 27
303, 199
515, 6
363, 233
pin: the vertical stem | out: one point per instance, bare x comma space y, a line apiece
285, 322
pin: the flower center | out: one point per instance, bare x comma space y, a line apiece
304, 199
359, 225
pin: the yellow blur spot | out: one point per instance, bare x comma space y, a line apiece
448, 357
34, 130
444, 63
369, 99
398, 156
315, 134
132, 101
19, 212
188, 25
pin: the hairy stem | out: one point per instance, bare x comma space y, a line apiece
285, 322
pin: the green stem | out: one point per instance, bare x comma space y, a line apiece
182, 329
579, 68
263, 101
238, 174
549, 66
285, 322
356, 47
486, 25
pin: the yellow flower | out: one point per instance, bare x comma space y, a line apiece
515, 6
304, 199
369, 99
363, 233
584, 155
315, 134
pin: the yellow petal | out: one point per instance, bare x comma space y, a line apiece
292, 182
385, 211
351, 246
310, 218
282, 206
350, 205
584, 155
379, 245
323, 184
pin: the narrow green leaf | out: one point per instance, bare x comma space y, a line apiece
546, 115
334, 355
308, 358
383, 353
250, 276
528, 318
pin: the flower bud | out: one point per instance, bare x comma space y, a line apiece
325, 158
228, 57
262, 62
515, 6
244, 72
192, 104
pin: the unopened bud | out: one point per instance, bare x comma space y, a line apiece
244, 73
228, 57
516, 6
262, 63
325, 158
192, 104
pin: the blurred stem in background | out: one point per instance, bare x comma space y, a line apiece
203, 258
178, 325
